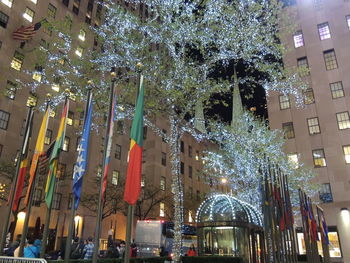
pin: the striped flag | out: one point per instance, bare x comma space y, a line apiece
39, 147
109, 144
51, 179
133, 178
26, 33
80, 166
44, 160
20, 184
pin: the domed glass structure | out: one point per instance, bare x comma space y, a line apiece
229, 226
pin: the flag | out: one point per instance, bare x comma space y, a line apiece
133, 178
26, 33
323, 225
44, 159
39, 147
80, 166
20, 183
50, 183
109, 144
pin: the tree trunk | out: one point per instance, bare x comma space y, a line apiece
177, 188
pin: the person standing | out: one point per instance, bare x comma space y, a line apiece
31, 251
192, 251
88, 249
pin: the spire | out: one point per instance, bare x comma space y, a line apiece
237, 107
199, 121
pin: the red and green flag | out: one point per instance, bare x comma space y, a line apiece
51, 179
133, 177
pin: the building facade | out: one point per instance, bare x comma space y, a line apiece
318, 133
156, 163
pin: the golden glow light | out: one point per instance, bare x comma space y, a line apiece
21, 215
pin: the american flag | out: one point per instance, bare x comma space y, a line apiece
44, 160
26, 33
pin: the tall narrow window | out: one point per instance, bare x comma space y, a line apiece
164, 135
120, 127
313, 125
198, 195
161, 209
10, 91
343, 120
337, 89
298, 39
82, 35
76, 5
326, 193
65, 2
309, 97
70, 118
190, 193
66, 144
3, 19
28, 14
115, 177
162, 183
346, 150
118, 151
182, 146
330, 59
319, 158
37, 75
51, 11
37, 197
189, 151
142, 180
145, 132
79, 51
163, 158
7, 2
77, 143
61, 170
288, 130
182, 168
190, 171
56, 201
303, 66
17, 61
323, 31
348, 21
4, 119
293, 159
284, 102
48, 136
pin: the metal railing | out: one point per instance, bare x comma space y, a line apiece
21, 260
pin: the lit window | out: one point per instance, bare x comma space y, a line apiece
34, 1
72, 96
61, 170
330, 59
7, 2
298, 39
82, 35
163, 158
190, 216
162, 183
79, 51
77, 143
343, 120
29, 14
48, 136
56, 87
56, 201
37, 75
319, 158
326, 193
10, 91
323, 31
284, 102
3, 19
99, 171
52, 113
197, 155
313, 125
32, 100
346, 150
51, 11
309, 97
17, 61
303, 66
70, 118
161, 209
293, 159
115, 177
4, 119
337, 89
348, 21
76, 5
118, 151
66, 144
288, 130
143, 180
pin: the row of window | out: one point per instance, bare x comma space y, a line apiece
343, 121
324, 33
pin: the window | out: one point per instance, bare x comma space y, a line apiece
163, 158
44, 44
161, 209
298, 39
81, 117
198, 195
34, 1
326, 193
4, 119
330, 59
197, 155
66, 144
319, 158
37, 197
293, 159
48, 136
37, 75
0, 44
56, 84
88, 18
143, 156
118, 152
79, 51
343, 120
189, 151
1, 147
70, 200
120, 127
115, 177
3, 19
182, 146
313, 126
309, 97
99, 171
77, 143
10, 91
65, 2
288, 130
7, 2
323, 31
142, 180
61, 170
190, 171
182, 168
164, 135
348, 21
284, 102
76, 5
56, 201
162, 183
346, 150
70, 118
190, 216
144, 132
337, 89
303, 66
82, 35
28, 14
51, 11
17, 61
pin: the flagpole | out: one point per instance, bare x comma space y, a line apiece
30, 200
73, 210
100, 197
15, 181
49, 208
